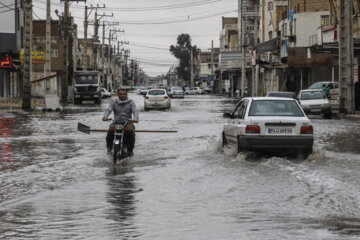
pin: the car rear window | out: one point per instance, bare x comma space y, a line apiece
280, 94
275, 108
312, 95
156, 92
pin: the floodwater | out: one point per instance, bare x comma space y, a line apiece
58, 183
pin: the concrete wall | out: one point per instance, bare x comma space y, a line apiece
305, 25
309, 5
271, 18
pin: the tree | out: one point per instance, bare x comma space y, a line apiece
182, 52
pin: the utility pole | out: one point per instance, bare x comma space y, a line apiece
26, 100
254, 66
243, 62
84, 56
212, 57
95, 37
346, 57
64, 80
47, 65
191, 69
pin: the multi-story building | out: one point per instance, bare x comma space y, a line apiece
208, 66
11, 42
58, 66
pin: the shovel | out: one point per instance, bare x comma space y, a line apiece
86, 129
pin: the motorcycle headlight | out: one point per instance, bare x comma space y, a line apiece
119, 127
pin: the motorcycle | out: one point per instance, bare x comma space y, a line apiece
119, 149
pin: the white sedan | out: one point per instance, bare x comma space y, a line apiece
314, 101
269, 124
194, 90
105, 93
156, 99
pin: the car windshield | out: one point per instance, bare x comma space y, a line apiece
317, 85
86, 79
312, 95
177, 88
275, 108
156, 92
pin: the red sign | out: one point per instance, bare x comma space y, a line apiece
6, 62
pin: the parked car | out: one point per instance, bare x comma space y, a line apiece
269, 124
314, 101
157, 99
142, 90
281, 94
194, 91
105, 93
208, 89
176, 92
329, 85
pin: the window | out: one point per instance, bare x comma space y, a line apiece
54, 53
325, 20
270, 6
156, 92
250, 8
240, 111
312, 95
275, 108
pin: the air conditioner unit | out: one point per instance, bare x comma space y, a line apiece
268, 56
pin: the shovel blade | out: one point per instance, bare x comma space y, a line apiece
83, 128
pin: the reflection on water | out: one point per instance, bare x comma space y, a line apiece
6, 128
120, 194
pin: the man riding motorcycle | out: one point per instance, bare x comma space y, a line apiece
123, 109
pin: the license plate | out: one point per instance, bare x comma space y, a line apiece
279, 131
315, 110
86, 96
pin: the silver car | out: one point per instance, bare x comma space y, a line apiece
176, 92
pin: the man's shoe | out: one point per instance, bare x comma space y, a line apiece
131, 154
109, 149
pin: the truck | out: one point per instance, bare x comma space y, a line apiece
87, 86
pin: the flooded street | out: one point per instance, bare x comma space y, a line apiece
58, 183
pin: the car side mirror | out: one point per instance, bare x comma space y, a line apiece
227, 115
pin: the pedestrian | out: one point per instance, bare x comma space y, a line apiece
291, 84
325, 90
124, 110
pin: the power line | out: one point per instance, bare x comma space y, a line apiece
7, 6
8, 10
177, 21
154, 8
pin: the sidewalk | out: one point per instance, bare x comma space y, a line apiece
354, 117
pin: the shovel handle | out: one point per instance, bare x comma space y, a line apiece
148, 131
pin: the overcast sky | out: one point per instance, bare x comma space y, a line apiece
151, 26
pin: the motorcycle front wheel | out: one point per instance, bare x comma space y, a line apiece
116, 153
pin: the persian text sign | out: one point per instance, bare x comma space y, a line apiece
37, 57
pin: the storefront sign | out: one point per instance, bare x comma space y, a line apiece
37, 57
6, 62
